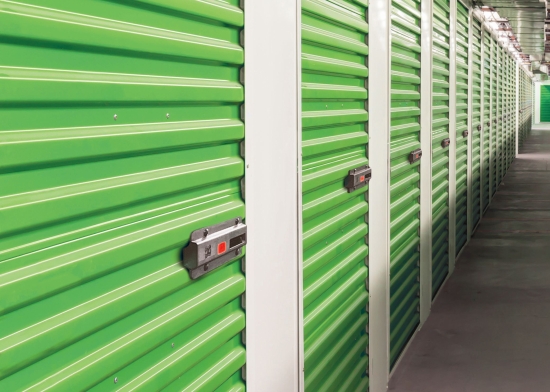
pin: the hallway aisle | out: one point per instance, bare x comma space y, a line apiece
489, 329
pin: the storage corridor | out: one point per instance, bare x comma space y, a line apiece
489, 326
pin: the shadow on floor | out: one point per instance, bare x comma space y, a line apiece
489, 329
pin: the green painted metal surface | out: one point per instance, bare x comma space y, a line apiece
525, 105
507, 121
487, 126
545, 103
511, 112
440, 151
120, 136
477, 121
462, 42
334, 121
404, 175
494, 104
499, 112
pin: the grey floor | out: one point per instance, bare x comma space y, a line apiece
489, 329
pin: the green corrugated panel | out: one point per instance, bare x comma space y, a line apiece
525, 105
461, 126
509, 120
499, 113
334, 120
544, 103
440, 153
494, 104
505, 112
508, 117
511, 111
487, 126
477, 121
404, 176
96, 209
522, 106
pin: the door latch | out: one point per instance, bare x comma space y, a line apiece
445, 142
358, 178
213, 246
415, 155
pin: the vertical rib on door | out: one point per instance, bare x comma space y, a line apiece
487, 126
512, 110
498, 115
462, 30
440, 151
506, 121
494, 103
119, 137
476, 122
334, 119
405, 176
521, 107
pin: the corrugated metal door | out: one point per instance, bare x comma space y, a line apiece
334, 143
510, 116
462, 32
487, 126
119, 137
525, 105
499, 111
504, 114
521, 107
405, 174
476, 122
544, 103
506, 111
440, 144
494, 103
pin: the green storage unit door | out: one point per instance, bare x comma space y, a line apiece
462, 31
487, 126
440, 144
507, 120
522, 106
544, 103
505, 106
334, 119
508, 109
521, 101
476, 122
512, 111
119, 137
404, 174
507, 116
499, 111
525, 105
494, 103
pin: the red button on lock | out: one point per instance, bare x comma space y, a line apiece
362, 179
222, 247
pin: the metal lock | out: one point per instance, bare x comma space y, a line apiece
358, 178
488, 123
479, 127
495, 120
213, 246
445, 142
465, 134
415, 155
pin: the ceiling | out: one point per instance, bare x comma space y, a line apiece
527, 19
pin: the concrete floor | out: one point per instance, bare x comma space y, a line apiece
489, 329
